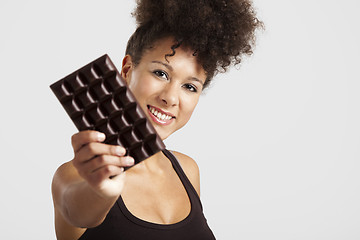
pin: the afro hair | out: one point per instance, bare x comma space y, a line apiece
220, 32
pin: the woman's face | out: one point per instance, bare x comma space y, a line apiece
167, 91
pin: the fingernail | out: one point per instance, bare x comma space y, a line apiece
101, 136
120, 151
129, 161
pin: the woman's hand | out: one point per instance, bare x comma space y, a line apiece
100, 165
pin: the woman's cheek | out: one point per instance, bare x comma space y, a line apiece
189, 104
146, 86
137, 86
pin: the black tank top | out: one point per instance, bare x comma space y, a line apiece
120, 224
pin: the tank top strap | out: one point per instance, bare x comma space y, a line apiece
184, 179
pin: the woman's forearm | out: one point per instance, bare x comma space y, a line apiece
81, 206
77, 202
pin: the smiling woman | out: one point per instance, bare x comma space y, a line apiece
176, 50
169, 90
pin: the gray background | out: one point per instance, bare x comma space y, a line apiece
277, 142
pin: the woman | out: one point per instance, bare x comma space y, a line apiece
176, 50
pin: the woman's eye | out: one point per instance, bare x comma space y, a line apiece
190, 87
161, 74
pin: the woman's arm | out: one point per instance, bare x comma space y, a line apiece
85, 189
76, 200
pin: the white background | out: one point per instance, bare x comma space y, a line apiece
277, 141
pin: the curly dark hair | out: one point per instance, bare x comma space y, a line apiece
220, 32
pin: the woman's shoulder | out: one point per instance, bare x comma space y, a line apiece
190, 168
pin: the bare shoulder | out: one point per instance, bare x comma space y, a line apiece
190, 168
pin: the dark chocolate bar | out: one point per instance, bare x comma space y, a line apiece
97, 98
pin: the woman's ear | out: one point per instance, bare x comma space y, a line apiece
127, 66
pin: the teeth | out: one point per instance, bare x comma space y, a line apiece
159, 115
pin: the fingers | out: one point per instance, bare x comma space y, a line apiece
93, 149
100, 165
103, 173
84, 137
94, 156
95, 161
103, 168
102, 161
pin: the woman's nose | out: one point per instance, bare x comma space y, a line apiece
170, 95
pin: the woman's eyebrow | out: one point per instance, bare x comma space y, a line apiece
166, 65
197, 80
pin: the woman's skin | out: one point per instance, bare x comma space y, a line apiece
83, 192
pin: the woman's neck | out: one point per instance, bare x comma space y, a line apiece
156, 164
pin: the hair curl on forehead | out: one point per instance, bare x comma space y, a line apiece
220, 32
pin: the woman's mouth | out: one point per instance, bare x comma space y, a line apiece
160, 116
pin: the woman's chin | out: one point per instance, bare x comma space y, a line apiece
162, 133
